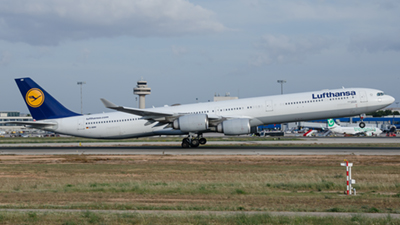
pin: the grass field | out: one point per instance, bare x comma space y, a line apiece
88, 217
215, 183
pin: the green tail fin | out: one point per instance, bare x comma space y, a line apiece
331, 123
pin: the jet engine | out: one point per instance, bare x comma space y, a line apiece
234, 127
191, 123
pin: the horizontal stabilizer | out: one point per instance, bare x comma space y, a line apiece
31, 123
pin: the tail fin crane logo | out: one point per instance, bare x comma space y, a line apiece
34, 97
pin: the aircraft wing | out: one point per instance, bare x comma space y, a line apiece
148, 114
138, 112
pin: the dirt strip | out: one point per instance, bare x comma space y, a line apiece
219, 213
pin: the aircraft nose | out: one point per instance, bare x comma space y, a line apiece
386, 100
391, 99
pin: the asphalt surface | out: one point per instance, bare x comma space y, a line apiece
211, 148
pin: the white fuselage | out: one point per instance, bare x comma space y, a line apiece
368, 131
260, 110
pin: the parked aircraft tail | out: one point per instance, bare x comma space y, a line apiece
332, 124
40, 103
310, 133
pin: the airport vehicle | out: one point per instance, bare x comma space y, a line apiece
355, 131
233, 117
391, 132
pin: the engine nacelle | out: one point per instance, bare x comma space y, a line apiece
191, 123
234, 127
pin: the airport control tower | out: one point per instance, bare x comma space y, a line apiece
142, 90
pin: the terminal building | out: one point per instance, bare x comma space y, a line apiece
7, 116
218, 98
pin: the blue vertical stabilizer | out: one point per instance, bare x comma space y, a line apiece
40, 103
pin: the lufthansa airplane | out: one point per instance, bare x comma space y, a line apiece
233, 117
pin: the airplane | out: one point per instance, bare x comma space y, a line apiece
367, 131
233, 117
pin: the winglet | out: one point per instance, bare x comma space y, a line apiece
108, 104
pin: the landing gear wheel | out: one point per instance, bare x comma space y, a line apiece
195, 143
203, 141
185, 144
362, 124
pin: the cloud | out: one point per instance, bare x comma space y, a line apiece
84, 55
179, 50
340, 17
5, 58
375, 43
388, 4
49, 22
282, 49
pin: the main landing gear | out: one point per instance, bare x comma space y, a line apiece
193, 141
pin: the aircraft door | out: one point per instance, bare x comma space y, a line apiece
81, 124
268, 106
363, 97
217, 111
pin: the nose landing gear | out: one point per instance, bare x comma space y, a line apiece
362, 124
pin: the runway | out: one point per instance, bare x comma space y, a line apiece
197, 151
222, 150
315, 146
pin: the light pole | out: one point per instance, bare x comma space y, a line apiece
81, 83
281, 82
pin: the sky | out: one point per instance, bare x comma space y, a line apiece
188, 51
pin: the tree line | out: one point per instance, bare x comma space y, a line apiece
381, 113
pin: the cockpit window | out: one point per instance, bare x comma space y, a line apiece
380, 94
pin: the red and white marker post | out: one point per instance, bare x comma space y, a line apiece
348, 176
